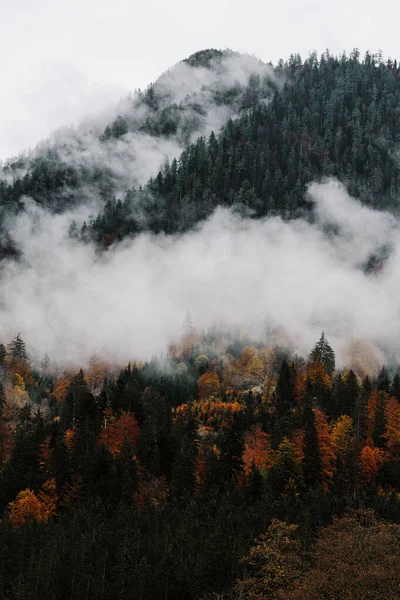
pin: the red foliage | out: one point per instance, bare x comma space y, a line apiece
115, 433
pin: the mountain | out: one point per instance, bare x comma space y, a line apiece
232, 132
196, 96
240, 455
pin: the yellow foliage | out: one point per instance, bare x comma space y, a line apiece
31, 507
17, 380
212, 412
342, 434
209, 385
61, 389
249, 369
18, 397
326, 447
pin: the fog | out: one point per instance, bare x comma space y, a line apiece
186, 92
63, 60
298, 277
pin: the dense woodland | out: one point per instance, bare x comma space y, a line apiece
212, 475
331, 116
229, 470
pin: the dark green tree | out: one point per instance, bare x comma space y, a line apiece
312, 457
324, 354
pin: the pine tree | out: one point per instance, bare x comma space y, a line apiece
351, 393
383, 383
3, 354
18, 349
323, 353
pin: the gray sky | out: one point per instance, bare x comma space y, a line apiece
63, 59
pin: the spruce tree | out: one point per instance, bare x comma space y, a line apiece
18, 349
324, 354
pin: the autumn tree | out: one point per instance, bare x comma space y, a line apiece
209, 385
285, 473
371, 460
355, 557
274, 562
257, 450
116, 431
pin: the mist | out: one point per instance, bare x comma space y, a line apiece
69, 300
193, 97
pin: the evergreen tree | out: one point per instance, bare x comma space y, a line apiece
380, 420
3, 354
17, 348
183, 473
324, 354
383, 383
312, 457
351, 393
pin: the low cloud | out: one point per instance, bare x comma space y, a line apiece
298, 277
195, 97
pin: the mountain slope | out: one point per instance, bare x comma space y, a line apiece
96, 161
335, 117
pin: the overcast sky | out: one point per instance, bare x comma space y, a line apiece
63, 59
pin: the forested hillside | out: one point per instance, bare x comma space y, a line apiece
210, 479
247, 457
334, 117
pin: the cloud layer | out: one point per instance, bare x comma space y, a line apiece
300, 277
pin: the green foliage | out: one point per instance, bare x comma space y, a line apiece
323, 353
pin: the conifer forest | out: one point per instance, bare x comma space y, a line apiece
199, 353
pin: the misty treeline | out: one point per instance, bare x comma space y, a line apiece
326, 116
215, 473
228, 470
300, 121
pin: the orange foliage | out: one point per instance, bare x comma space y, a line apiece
45, 455
29, 507
316, 373
213, 412
48, 499
392, 433
69, 436
61, 389
257, 450
116, 432
26, 507
23, 368
209, 385
326, 447
371, 461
